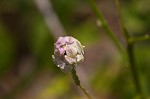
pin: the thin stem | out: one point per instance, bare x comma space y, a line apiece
121, 19
106, 27
130, 53
137, 39
118, 45
84, 90
134, 71
77, 82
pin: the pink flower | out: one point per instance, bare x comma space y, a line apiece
68, 51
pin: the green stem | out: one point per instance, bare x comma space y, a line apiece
106, 27
130, 53
77, 82
137, 39
134, 70
118, 45
121, 19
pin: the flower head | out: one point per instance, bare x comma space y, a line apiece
68, 51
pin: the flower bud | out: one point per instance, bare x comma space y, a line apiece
68, 51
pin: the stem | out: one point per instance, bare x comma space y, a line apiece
130, 53
84, 90
118, 45
132, 39
121, 19
106, 27
77, 82
134, 70
137, 39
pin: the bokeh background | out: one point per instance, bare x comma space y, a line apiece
29, 28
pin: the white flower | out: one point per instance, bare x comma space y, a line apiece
68, 51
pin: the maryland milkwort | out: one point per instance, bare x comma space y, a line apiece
68, 53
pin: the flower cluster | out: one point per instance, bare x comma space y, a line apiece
68, 51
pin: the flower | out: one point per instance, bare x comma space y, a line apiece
68, 51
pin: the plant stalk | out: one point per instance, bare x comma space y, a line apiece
106, 27
130, 53
134, 71
77, 82
126, 34
138, 39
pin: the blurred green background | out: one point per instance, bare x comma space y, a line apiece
29, 28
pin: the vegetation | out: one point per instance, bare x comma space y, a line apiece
117, 48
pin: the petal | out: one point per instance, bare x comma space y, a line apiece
66, 69
70, 60
61, 50
62, 65
60, 42
57, 45
69, 39
79, 47
80, 58
55, 60
71, 51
